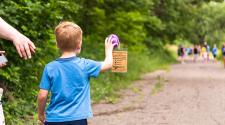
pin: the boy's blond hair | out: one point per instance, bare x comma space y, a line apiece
68, 36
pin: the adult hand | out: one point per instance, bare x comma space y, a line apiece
2, 64
24, 46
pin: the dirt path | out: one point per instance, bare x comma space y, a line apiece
189, 94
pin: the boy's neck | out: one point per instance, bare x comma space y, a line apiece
67, 54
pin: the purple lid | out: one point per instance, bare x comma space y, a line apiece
115, 40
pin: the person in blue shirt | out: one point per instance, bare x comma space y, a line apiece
68, 79
214, 51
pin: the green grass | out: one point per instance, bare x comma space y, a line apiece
158, 86
107, 86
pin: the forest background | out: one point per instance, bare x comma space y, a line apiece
144, 27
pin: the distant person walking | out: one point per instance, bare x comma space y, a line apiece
181, 53
223, 53
207, 51
196, 53
214, 52
204, 54
23, 46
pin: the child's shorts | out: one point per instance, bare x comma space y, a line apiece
76, 122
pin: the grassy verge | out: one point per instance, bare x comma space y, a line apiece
159, 85
106, 87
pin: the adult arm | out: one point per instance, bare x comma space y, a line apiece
23, 44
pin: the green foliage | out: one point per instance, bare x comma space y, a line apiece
144, 28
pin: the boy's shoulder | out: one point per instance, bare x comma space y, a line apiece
83, 62
58, 60
51, 64
78, 60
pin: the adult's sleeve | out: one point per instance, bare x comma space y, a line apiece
93, 68
45, 80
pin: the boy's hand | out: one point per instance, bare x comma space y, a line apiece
108, 46
107, 64
41, 117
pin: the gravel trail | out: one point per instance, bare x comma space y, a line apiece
189, 94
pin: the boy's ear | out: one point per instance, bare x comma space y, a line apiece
79, 47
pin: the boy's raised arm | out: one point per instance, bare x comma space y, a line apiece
42, 98
107, 64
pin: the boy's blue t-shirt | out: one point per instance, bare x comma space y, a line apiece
68, 81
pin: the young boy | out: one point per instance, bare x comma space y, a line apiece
67, 78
